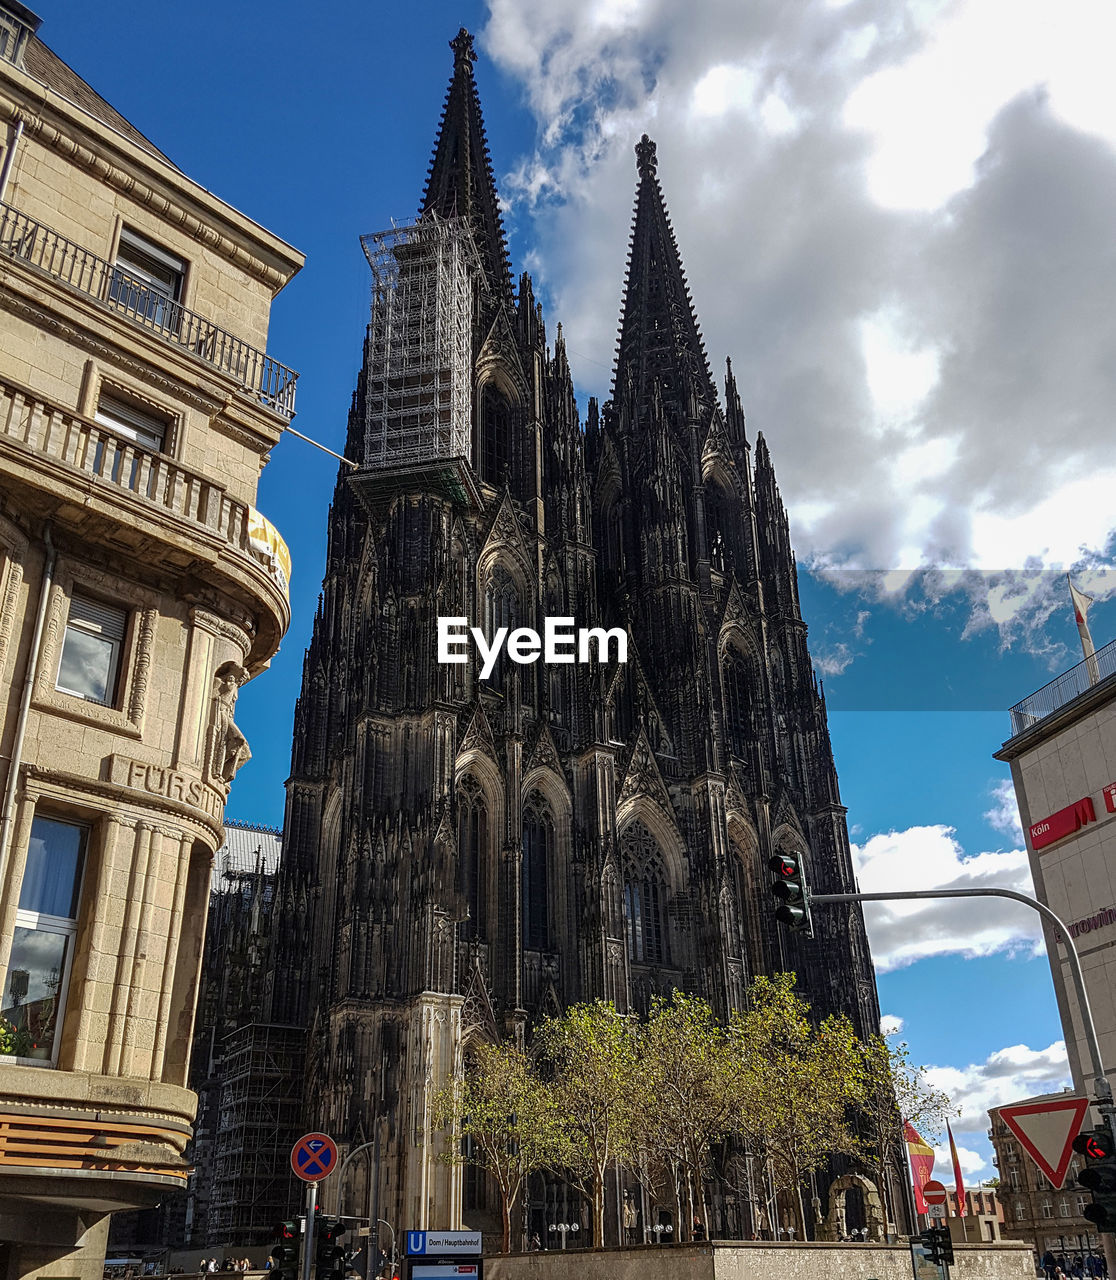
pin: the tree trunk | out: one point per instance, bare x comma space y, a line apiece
506, 1208
598, 1209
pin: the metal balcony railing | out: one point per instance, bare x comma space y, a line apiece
38, 246
1062, 689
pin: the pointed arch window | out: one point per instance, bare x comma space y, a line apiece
737, 687
720, 531
538, 859
501, 608
495, 436
645, 897
472, 848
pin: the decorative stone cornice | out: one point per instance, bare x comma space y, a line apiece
113, 173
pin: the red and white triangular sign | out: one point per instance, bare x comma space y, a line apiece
1046, 1131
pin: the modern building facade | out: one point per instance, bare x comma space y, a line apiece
1063, 765
139, 588
1033, 1211
467, 851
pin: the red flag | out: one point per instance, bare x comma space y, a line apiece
962, 1202
921, 1155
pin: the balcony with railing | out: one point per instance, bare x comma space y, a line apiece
1063, 689
112, 287
88, 450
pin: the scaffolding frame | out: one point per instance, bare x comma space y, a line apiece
418, 373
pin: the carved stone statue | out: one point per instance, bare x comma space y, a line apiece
230, 747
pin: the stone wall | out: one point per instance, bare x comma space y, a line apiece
758, 1260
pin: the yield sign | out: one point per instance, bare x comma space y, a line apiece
313, 1156
1046, 1131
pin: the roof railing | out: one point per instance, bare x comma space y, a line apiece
1063, 689
140, 302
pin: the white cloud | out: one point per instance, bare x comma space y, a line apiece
1003, 816
893, 216
971, 1162
890, 1024
930, 857
1008, 1075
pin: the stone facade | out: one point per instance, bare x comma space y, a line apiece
137, 592
464, 855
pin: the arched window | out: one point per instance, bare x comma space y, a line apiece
495, 433
736, 685
501, 609
720, 531
645, 897
614, 537
472, 849
538, 856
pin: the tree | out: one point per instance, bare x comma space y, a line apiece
797, 1085
506, 1117
596, 1085
895, 1090
691, 1081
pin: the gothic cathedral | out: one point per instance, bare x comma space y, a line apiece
464, 855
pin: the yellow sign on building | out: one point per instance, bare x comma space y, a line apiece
266, 539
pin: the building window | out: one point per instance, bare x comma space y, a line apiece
1020, 1211
736, 676
134, 422
91, 650
538, 850
472, 842
495, 436
1063, 1209
645, 897
146, 281
1013, 1179
1047, 1209
501, 610
1080, 1206
34, 992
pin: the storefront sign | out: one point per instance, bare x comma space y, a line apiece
1063, 823
1109, 794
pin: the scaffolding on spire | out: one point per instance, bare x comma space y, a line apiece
418, 373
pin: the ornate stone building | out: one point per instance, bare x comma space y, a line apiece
463, 855
139, 589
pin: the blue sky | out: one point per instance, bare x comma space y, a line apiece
894, 217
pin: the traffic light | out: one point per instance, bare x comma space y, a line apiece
1099, 1175
789, 886
284, 1251
938, 1245
328, 1251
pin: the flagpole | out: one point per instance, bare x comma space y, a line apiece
1081, 603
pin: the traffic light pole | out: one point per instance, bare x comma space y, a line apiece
1101, 1086
308, 1234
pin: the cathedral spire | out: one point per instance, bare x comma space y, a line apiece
659, 336
460, 181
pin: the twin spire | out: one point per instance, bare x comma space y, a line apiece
660, 352
460, 181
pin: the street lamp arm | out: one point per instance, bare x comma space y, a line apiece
1100, 1080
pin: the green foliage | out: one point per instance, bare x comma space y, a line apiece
799, 1084
692, 1077
16, 1042
597, 1084
502, 1106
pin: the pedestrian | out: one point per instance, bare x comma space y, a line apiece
1048, 1264
699, 1229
